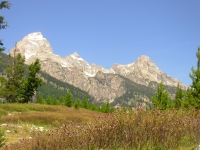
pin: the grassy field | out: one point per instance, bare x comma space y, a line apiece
24, 120
35, 126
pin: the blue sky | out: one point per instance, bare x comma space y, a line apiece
105, 32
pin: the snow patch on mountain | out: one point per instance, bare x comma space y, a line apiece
35, 36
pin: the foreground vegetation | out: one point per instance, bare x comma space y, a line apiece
68, 128
23, 119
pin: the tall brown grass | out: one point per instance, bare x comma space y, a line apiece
44, 114
159, 130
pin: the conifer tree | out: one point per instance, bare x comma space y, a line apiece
195, 87
107, 109
85, 103
178, 97
11, 85
94, 107
40, 99
18, 85
189, 101
161, 99
62, 100
77, 104
68, 99
48, 100
3, 23
32, 82
55, 101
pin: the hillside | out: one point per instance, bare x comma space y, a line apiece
53, 87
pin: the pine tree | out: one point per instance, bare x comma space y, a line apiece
68, 99
40, 99
178, 97
161, 99
85, 103
18, 85
189, 101
107, 107
32, 82
48, 100
11, 85
55, 101
195, 87
94, 107
3, 23
77, 104
62, 100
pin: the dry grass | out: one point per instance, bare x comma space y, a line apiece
141, 130
20, 119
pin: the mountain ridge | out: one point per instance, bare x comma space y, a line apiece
96, 80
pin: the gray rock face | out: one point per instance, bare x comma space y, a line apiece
71, 69
143, 71
103, 84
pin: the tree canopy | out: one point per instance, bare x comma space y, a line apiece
3, 23
20, 83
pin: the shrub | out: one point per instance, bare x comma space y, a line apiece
174, 129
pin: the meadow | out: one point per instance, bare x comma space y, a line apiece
36, 126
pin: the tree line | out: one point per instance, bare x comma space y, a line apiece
77, 103
183, 99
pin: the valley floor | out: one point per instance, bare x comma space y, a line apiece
36, 126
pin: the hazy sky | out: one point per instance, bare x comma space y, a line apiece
105, 32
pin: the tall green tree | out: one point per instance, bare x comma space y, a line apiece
178, 97
85, 103
62, 100
3, 23
195, 87
32, 82
161, 100
48, 100
11, 85
19, 85
55, 101
106, 107
77, 103
68, 99
189, 100
40, 99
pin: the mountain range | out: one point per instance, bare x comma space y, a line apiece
122, 84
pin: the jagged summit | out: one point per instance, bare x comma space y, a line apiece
143, 57
75, 54
35, 36
33, 46
76, 71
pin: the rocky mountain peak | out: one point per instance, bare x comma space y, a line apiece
32, 46
143, 71
144, 60
95, 79
35, 36
75, 55
144, 57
